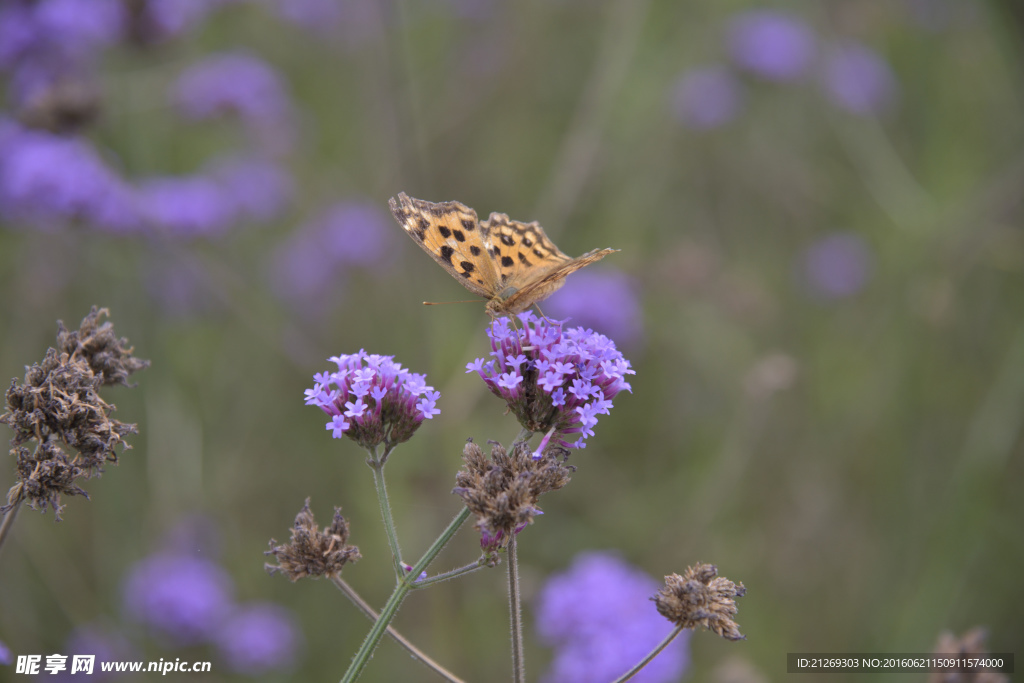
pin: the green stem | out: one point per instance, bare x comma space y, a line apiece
9, 518
468, 569
515, 612
518, 661
651, 655
405, 584
416, 653
377, 465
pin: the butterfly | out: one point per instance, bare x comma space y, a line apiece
511, 264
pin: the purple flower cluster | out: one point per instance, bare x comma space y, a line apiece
209, 203
781, 47
774, 45
181, 597
186, 600
553, 380
47, 179
605, 300
707, 97
858, 79
315, 259
599, 617
233, 83
258, 638
837, 265
372, 399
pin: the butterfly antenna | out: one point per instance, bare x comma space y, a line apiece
441, 303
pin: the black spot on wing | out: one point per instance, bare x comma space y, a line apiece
445, 232
459, 235
539, 253
474, 250
468, 225
494, 252
446, 253
507, 240
468, 267
527, 242
507, 261
522, 259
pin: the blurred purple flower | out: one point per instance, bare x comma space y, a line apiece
18, 33
237, 83
707, 97
46, 178
184, 599
257, 188
604, 300
838, 265
314, 259
166, 19
6, 656
355, 232
599, 616
775, 45
78, 27
258, 638
858, 79
318, 16
186, 206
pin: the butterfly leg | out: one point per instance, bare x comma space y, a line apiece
543, 317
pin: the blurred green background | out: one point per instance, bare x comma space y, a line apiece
848, 448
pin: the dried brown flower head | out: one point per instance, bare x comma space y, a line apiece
970, 644
502, 491
58, 405
312, 552
701, 598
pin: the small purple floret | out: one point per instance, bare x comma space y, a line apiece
372, 399
557, 372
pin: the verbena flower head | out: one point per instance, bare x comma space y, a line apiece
598, 616
705, 98
775, 45
373, 400
312, 552
605, 300
58, 406
701, 598
837, 265
858, 79
182, 598
551, 378
49, 179
502, 491
258, 638
237, 83
6, 656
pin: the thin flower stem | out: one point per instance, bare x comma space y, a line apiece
515, 612
405, 584
518, 661
468, 569
651, 655
9, 518
377, 465
416, 653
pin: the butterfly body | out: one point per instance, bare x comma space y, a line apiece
511, 264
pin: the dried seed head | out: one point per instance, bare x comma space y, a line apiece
701, 598
970, 644
58, 405
502, 491
312, 552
